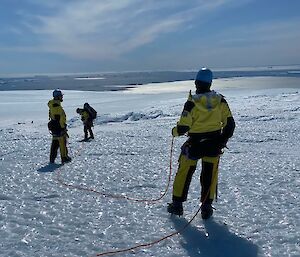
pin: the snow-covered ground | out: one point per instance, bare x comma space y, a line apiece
257, 213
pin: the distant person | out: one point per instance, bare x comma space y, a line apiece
208, 122
87, 124
88, 114
58, 128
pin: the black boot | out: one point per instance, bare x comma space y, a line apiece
206, 211
91, 134
86, 137
175, 208
66, 159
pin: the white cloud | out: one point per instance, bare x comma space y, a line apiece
95, 29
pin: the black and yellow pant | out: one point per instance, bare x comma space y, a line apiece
61, 143
208, 178
88, 129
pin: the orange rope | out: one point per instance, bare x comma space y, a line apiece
116, 196
143, 245
153, 242
162, 238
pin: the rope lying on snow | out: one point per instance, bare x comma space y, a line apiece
116, 196
143, 245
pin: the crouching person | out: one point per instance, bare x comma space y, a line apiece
58, 128
208, 121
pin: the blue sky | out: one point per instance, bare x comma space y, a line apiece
39, 36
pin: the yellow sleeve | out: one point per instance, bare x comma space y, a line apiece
226, 112
86, 116
185, 119
62, 120
228, 123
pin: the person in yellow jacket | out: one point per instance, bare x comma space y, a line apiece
208, 122
87, 123
58, 128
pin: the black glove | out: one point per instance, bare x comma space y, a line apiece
223, 142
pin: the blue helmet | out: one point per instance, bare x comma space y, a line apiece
205, 75
57, 93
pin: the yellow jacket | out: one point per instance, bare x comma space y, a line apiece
56, 112
84, 116
205, 113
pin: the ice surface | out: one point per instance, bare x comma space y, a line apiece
257, 213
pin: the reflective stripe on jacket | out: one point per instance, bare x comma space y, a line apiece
204, 113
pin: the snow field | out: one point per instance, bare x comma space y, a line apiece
257, 213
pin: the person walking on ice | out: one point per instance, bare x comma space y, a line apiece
208, 122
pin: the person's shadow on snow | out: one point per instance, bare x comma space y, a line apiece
219, 241
50, 167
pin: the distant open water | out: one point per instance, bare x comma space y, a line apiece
125, 80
